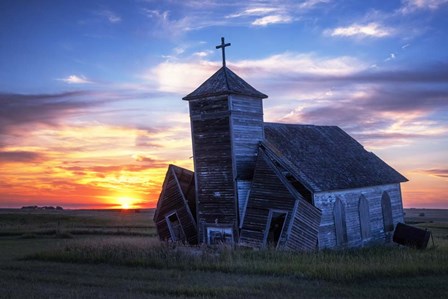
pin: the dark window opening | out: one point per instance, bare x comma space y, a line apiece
340, 223
300, 188
275, 228
176, 231
306, 194
386, 208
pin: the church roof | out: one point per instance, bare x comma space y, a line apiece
325, 158
224, 82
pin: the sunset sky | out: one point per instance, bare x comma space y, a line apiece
91, 109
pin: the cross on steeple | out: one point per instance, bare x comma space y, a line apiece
223, 46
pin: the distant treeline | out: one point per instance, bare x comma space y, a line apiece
41, 208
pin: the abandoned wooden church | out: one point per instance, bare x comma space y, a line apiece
287, 186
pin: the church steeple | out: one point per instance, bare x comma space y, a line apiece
226, 115
224, 82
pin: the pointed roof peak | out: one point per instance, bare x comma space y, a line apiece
224, 82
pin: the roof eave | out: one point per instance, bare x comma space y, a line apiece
227, 92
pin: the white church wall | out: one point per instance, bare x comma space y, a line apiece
350, 199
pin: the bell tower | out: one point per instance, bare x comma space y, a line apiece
226, 116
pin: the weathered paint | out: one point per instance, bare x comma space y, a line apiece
292, 174
272, 192
350, 198
226, 131
177, 197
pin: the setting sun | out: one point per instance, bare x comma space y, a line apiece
126, 202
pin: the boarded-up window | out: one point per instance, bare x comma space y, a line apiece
219, 235
176, 231
276, 223
364, 217
386, 208
339, 222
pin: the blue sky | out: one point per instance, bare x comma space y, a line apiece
91, 90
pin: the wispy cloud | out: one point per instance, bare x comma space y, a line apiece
111, 16
257, 11
410, 6
309, 4
272, 19
391, 56
75, 79
441, 173
20, 156
24, 109
165, 25
356, 30
170, 75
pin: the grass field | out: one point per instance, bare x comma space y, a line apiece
114, 254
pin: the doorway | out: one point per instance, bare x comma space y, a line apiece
276, 223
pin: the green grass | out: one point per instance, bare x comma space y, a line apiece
78, 222
118, 258
335, 266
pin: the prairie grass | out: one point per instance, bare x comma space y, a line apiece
112, 255
335, 266
53, 223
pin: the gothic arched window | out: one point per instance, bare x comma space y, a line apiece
339, 222
364, 217
386, 208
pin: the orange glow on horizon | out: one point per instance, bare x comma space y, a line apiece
76, 167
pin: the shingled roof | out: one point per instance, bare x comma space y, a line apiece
325, 158
224, 82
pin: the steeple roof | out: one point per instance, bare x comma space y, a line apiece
224, 82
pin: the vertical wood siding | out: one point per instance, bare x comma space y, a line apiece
268, 192
212, 151
243, 192
304, 227
173, 198
325, 202
247, 132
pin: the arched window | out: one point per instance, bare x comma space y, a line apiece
339, 222
364, 217
386, 207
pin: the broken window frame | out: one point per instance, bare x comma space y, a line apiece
225, 230
171, 229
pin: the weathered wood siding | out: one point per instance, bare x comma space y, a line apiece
187, 185
226, 131
247, 132
212, 154
243, 192
268, 192
350, 198
304, 227
178, 184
